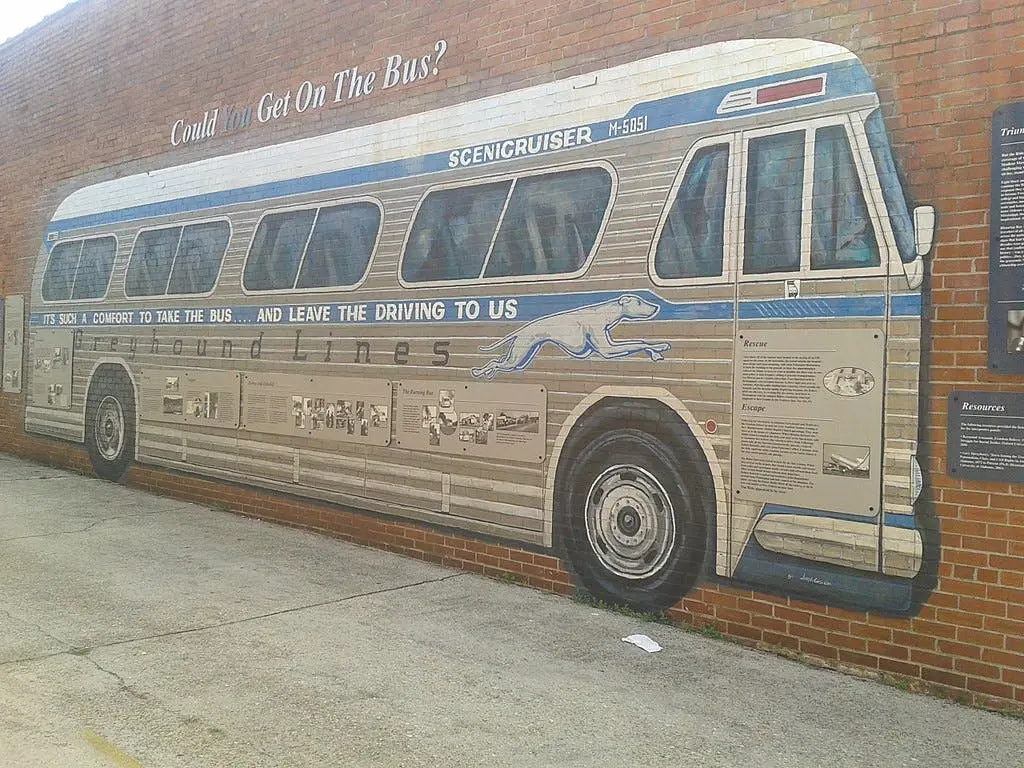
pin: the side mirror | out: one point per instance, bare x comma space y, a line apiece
924, 228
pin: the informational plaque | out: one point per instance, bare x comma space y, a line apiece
14, 343
51, 369
985, 436
808, 416
1006, 242
507, 421
199, 396
333, 408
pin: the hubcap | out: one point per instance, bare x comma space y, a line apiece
110, 431
631, 525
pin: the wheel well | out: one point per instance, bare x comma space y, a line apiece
107, 373
693, 461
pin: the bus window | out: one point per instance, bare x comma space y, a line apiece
150, 262
94, 268
841, 230
340, 247
197, 261
775, 178
692, 238
892, 190
276, 251
551, 223
452, 233
60, 271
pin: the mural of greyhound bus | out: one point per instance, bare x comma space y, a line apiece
662, 318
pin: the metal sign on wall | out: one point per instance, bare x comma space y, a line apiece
1006, 242
985, 436
14, 327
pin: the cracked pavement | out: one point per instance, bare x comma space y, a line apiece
139, 631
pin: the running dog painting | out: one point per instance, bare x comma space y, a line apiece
579, 333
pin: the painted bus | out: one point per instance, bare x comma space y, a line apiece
663, 319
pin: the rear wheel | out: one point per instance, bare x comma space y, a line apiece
630, 512
110, 423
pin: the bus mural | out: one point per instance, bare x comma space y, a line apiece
663, 319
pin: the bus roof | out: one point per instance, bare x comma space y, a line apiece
603, 95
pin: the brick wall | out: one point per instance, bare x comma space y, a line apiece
95, 89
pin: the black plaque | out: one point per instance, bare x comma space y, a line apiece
1006, 242
985, 438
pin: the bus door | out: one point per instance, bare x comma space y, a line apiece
809, 364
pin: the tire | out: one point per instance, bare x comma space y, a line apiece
110, 423
632, 498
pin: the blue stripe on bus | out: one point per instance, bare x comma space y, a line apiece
787, 309
906, 305
895, 520
891, 519
846, 78
447, 310
782, 509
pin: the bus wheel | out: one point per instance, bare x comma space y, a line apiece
110, 423
631, 524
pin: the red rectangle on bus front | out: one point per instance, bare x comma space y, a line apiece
809, 87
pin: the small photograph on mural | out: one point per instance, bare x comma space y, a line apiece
360, 419
845, 460
342, 414
448, 420
318, 414
173, 405
429, 416
379, 415
475, 427
518, 421
172, 383
849, 382
446, 399
204, 405
54, 363
55, 396
1015, 332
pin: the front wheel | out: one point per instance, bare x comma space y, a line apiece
110, 424
630, 509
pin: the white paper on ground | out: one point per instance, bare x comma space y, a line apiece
643, 641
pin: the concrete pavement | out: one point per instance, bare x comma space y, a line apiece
142, 631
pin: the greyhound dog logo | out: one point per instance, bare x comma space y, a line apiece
579, 333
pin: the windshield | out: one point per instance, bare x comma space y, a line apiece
892, 191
